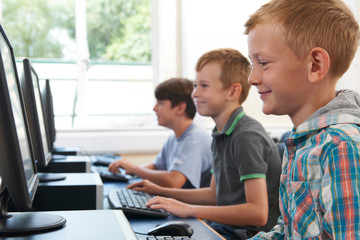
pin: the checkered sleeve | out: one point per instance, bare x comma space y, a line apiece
276, 233
339, 193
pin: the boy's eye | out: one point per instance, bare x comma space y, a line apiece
263, 63
201, 85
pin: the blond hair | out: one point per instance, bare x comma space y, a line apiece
305, 24
234, 68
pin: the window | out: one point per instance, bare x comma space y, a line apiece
105, 81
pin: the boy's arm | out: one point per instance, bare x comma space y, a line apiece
173, 179
340, 193
192, 196
253, 212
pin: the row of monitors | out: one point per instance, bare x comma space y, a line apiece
27, 133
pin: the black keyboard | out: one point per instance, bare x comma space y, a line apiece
105, 174
133, 203
164, 238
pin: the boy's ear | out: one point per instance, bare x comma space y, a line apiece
181, 107
320, 64
235, 91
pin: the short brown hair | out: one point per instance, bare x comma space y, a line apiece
177, 90
235, 68
305, 24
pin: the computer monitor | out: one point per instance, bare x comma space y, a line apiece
19, 178
47, 101
34, 112
29, 83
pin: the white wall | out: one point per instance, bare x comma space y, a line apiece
114, 141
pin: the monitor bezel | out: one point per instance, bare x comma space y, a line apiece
47, 101
42, 153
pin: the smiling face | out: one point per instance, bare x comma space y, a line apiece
208, 94
279, 75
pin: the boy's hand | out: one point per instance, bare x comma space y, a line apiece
122, 163
171, 205
145, 186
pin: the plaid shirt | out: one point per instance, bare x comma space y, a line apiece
320, 181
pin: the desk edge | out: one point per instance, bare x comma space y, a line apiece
206, 225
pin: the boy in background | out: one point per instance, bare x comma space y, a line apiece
185, 159
299, 50
243, 196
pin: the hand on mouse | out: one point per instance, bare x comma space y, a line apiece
171, 205
145, 186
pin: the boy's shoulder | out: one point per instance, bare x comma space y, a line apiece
195, 130
330, 138
345, 132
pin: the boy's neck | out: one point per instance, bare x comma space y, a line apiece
313, 103
221, 119
181, 127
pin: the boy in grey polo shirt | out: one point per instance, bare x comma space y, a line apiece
243, 196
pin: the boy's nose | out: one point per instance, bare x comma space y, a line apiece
194, 93
254, 78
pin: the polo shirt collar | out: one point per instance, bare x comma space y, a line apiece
231, 123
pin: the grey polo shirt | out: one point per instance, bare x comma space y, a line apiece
243, 150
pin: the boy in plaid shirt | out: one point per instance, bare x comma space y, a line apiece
299, 50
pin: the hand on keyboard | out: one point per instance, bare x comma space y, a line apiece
104, 160
106, 175
133, 203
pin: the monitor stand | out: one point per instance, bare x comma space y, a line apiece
66, 150
26, 222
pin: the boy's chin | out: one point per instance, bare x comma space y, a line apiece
161, 124
204, 113
272, 111
269, 110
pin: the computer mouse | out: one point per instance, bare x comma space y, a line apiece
172, 228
